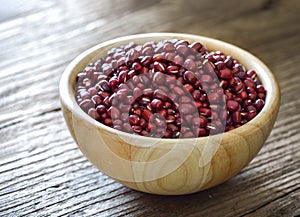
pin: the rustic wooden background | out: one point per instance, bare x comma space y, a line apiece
43, 173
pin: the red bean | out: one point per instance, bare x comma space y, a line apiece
251, 109
202, 132
167, 134
108, 122
226, 73
170, 119
243, 95
206, 79
179, 91
249, 83
178, 60
167, 105
182, 49
205, 112
186, 109
86, 104
190, 64
203, 121
104, 86
189, 77
170, 80
261, 95
196, 121
259, 104
209, 68
229, 62
220, 65
134, 119
146, 114
101, 109
136, 66
236, 117
162, 113
94, 114
148, 51
260, 89
252, 96
239, 87
184, 99
214, 98
159, 78
172, 69
241, 75
232, 105
251, 115
168, 47
146, 61
159, 67
188, 134
251, 73
113, 112
196, 45
196, 95
189, 88
172, 127
156, 104
137, 92
170, 56
96, 99
136, 128
158, 94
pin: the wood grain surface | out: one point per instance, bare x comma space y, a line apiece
43, 173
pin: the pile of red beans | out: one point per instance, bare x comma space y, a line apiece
169, 89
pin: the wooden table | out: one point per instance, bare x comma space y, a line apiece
43, 173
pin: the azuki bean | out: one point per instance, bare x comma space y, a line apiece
159, 78
236, 117
159, 66
232, 105
146, 114
158, 94
134, 119
104, 85
156, 104
205, 112
172, 69
178, 60
259, 104
189, 88
186, 109
96, 99
190, 64
94, 114
182, 49
189, 77
86, 104
226, 73
136, 128
196, 46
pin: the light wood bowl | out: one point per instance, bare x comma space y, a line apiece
168, 166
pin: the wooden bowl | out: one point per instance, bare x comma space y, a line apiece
168, 166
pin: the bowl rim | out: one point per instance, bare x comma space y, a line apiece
68, 99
